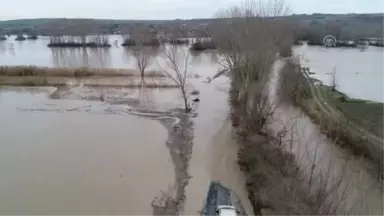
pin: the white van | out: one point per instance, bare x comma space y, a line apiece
224, 210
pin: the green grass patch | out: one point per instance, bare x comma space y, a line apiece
367, 114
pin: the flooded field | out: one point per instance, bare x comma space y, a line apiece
66, 162
86, 150
37, 53
80, 155
355, 69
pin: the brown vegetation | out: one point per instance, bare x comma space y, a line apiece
249, 46
131, 42
71, 72
79, 41
293, 85
140, 36
20, 38
40, 76
128, 82
203, 45
277, 185
176, 68
250, 43
32, 37
178, 41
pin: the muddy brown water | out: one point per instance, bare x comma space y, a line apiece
76, 162
80, 155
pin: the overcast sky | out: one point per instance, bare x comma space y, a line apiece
163, 9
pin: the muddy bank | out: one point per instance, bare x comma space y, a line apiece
22, 71
127, 82
179, 144
222, 156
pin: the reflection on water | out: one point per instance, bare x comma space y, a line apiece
37, 53
356, 68
81, 57
130, 55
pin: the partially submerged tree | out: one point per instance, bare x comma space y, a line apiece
143, 60
139, 33
176, 68
249, 43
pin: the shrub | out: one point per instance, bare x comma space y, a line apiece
203, 45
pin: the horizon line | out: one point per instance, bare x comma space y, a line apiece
127, 19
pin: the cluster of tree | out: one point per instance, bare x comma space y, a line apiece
309, 27
79, 41
348, 28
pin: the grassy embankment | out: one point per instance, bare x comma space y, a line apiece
354, 124
44, 76
367, 114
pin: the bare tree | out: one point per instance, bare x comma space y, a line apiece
333, 80
250, 43
143, 58
176, 68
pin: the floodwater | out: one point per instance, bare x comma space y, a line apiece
359, 72
349, 180
355, 68
79, 155
37, 53
77, 162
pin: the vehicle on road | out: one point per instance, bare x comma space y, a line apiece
226, 210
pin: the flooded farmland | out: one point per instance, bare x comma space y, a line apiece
76, 127
76, 154
77, 162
